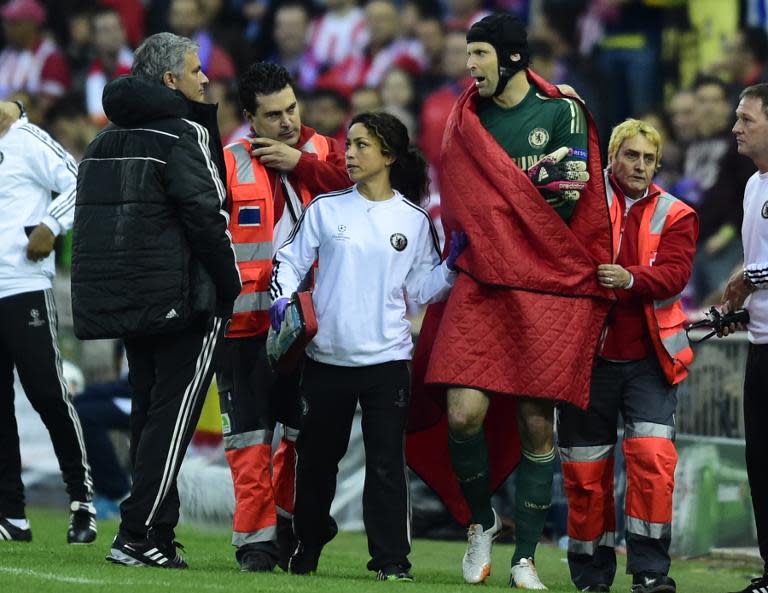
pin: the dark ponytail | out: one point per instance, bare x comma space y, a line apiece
408, 174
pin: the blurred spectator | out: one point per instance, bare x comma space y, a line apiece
232, 123
462, 14
386, 48
189, 19
558, 26
131, 16
437, 105
327, 111
104, 408
31, 62
431, 34
628, 55
399, 98
68, 122
338, 33
681, 114
716, 175
112, 58
77, 50
744, 60
364, 99
290, 35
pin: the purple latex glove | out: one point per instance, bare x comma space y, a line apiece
277, 312
459, 242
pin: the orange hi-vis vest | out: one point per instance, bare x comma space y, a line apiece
251, 224
665, 318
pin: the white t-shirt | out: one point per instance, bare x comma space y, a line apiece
754, 233
370, 255
32, 165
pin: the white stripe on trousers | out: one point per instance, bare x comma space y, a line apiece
191, 395
50, 305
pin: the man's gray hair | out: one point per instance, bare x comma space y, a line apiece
161, 53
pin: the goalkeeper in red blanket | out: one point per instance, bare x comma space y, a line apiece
522, 178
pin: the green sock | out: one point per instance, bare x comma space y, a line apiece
470, 464
533, 497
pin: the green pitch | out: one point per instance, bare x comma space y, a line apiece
49, 565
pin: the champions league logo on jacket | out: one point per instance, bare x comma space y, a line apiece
763, 211
398, 241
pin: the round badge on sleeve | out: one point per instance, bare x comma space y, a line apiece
2, 157
398, 241
763, 211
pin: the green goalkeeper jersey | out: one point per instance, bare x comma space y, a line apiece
535, 127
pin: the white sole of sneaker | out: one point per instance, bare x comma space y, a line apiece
118, 557
484, 574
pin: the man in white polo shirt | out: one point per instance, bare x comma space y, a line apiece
749, 288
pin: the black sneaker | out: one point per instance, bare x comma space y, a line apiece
599, 587
256, 561
304, 560
394, 572
758, 585
9, 532
82, 523
652, 582
146, 553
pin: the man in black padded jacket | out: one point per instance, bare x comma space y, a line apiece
153, 264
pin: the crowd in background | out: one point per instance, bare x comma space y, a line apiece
679, 64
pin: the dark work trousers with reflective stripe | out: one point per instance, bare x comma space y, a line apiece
639, 392
330, 395
755, 419
253, 399
170, 375
28, 341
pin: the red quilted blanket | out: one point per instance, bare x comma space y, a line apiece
526, 313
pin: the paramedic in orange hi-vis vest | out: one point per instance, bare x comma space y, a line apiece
644, 355
271, 176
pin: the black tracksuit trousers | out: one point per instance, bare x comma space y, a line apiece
329, 398
170, 375
28, 341
755, 418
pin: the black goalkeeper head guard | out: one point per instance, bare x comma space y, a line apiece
507, 34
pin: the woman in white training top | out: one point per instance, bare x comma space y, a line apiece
374, 245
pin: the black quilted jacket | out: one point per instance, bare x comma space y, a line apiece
150, 249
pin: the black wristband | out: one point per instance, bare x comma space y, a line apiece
20, 105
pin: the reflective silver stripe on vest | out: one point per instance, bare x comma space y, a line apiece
247, 439
663, 204
637, 430
675, 343
577, 546
290, 434
253, 251
252, 301
243, 160
608, 189
309, 146
648, 529
593, 453
267, 534
666, 302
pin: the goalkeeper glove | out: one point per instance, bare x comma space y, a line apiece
557, 181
